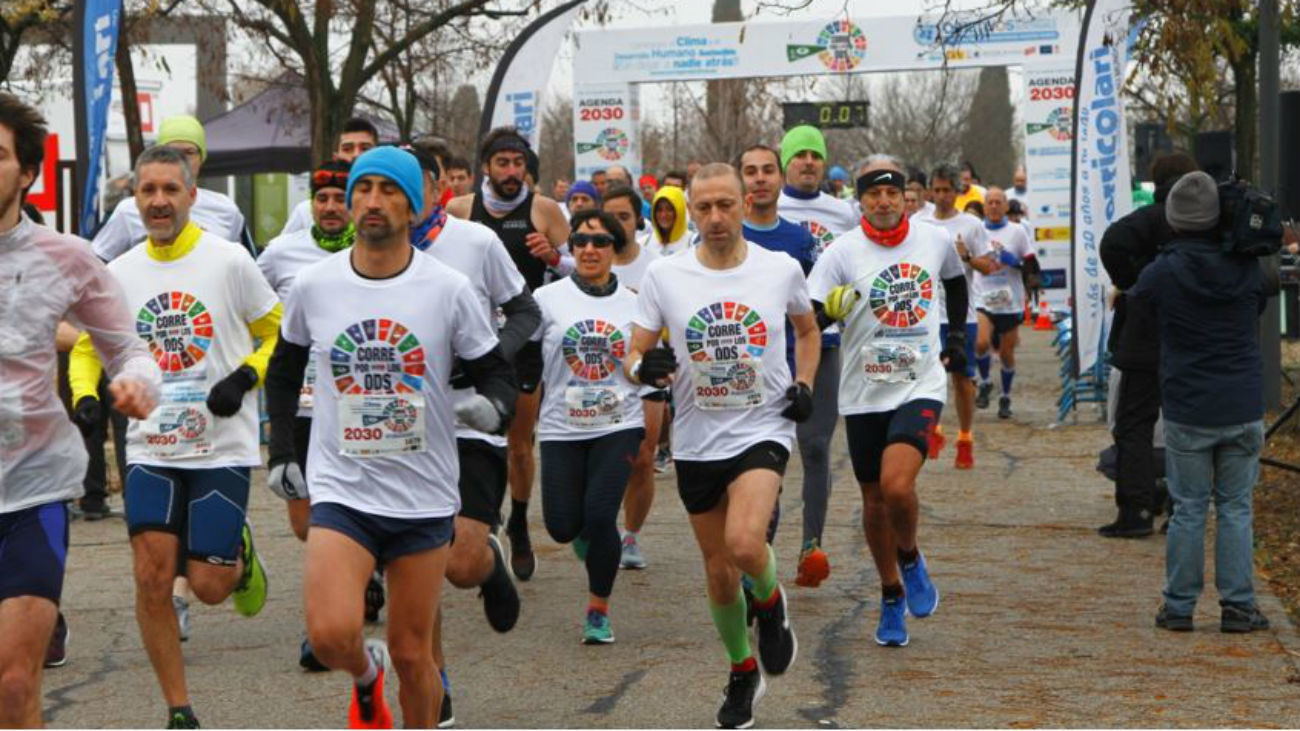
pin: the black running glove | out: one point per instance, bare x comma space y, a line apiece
953, 355
801, 402
87, 414
227, 396
656, 365
459, 378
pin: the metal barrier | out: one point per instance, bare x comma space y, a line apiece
1091, 385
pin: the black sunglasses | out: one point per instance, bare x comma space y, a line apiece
600, 241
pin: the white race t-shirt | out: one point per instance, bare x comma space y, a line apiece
1003, 292
475, 251
630, 275
728, 330
212, 211
383, 439
584, 341
194, 313
971, 230
299, 218
890, 352
824, 216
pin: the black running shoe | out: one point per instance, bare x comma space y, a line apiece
307, 659
180, 720
982, 396
446, 717
777, 645
500, 599
1004, 407
1236, 619
94, 508
374, 597
523, 562
56, 653
744, 689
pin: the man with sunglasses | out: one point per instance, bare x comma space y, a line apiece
533, 229
212, 211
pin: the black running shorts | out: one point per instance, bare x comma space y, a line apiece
869, 434
702, 484
482, 480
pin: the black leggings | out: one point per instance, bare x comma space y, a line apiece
582, 488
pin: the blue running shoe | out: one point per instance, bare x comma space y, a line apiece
892, 630
922, 596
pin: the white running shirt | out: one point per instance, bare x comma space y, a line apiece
890, 352
971, 230
728, 330
212, 211
1003, 292
630, 275
383, 351
824, 216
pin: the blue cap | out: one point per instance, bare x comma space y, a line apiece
585, 188
399, 166
838, 173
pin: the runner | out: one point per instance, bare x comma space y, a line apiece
358, 135
476, 559
724, 303
968, 187
582, 196
971, 242
212, 211
668, 224
592, 423
630, 264
285, 256
892, 386
459, 176
760, 167
917, 183
533, 229
803, 158
45, 277
383, 474
199, 303
1001, 294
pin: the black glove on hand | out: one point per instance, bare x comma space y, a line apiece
459, 378
87, 414
953, 355
656, 365
801, 404
227, 396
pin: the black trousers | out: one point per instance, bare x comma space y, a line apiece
1136, 414
96, 482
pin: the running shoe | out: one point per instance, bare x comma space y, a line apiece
982, 396
369, 709
446, 716
522, 559
965, 454
744, 689
596, 629
1166, 619
632, 557
777, 645
180, 720
56, 653
500, 599
937, 442
250, 595
374, 597
182, 609
307, 659
663, 460
922, 596
94, 508
892, 630
1004, 407
814, 565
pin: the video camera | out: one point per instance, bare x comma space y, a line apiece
1250, 223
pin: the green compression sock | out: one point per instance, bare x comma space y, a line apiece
732, 628
765, 582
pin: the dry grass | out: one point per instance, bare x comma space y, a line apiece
1277, 501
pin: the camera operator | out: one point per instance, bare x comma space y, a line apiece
1206, 303
1129, 245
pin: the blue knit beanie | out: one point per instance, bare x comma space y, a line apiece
399, 166
584, 188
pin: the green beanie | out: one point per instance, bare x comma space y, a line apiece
798, 139
184, 128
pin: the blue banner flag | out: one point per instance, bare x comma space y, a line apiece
97, 29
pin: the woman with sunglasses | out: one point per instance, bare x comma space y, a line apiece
592, 419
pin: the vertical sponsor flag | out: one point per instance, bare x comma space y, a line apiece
1101, 178
515, 96
96, 44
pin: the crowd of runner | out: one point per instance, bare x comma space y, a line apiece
421, 341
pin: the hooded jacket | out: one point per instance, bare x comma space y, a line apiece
675, 240
1129, 245
1206, 305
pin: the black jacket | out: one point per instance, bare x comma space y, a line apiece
1207, 305
1128, 245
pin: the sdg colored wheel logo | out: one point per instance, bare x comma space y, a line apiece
1059, 124
840, 46
611, 144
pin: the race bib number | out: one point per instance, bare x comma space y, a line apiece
381, 425
181, 426
999, 299
307, 396
892, 361
593, 407
727, 384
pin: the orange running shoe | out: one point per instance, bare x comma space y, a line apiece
814, 565
937, 442
965, 454
369, 709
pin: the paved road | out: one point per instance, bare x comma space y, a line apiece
1041, 622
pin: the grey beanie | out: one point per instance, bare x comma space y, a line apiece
1193, 203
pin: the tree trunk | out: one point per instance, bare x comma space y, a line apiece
1246, 101
130, 94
